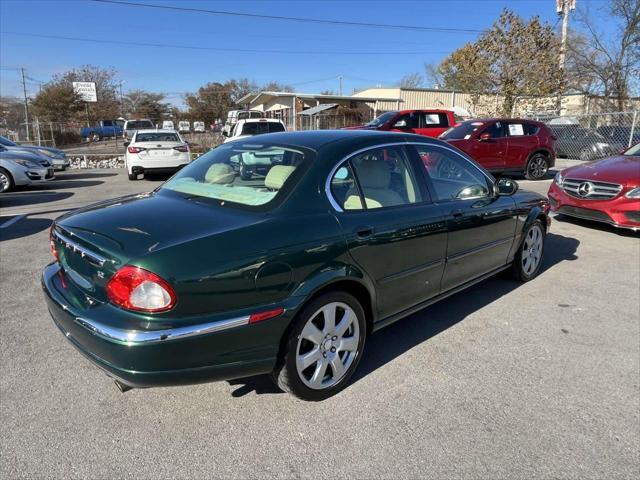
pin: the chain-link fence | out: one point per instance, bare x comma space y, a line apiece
593, 136
329, 122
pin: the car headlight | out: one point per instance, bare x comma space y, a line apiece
633, 193
559, 179
25, 163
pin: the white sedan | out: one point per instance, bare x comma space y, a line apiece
160, 151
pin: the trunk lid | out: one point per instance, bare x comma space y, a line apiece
94, 242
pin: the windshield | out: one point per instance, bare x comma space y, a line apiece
381, 120
633, 151
242, 173
6, 142
462, 131
157, 137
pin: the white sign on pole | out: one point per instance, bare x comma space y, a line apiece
86, 90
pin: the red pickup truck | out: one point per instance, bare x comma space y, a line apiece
427, 122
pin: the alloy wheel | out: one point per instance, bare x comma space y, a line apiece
327, 345
538, 167
532, 250
5, 183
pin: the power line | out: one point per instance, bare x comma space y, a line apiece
217, 49
292, 19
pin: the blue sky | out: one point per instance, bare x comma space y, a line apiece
395, 52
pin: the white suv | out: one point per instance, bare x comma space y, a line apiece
254, 126
156, 151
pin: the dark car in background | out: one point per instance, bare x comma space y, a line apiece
214, 277
427, 122
577, 142
620, 137
506, 145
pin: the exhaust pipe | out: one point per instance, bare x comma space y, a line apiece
122, 387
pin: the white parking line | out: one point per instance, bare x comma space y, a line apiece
15, 219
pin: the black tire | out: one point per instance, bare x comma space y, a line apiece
286, 375
6, 181
245, 173
518, 268
537, 167
95, 137
133, 176
585, 154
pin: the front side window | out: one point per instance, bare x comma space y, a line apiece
495, 130
452, 176
242, 174
377, 178
408, 120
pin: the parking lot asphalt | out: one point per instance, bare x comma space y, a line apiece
533, 380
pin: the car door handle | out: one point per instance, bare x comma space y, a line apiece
457, 213
364, 232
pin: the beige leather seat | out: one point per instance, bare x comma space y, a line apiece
374, 177
277, 175
220, 174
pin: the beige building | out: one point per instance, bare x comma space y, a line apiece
288, 106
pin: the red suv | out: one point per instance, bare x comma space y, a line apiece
506, 145
429, 123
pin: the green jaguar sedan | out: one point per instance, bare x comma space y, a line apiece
286, 272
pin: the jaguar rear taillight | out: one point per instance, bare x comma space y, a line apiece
135, 149
52, 244
135, 288
181, 148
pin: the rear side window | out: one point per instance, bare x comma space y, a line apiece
531, 129
434, 120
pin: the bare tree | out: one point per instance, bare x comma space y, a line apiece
413, 80
607, 65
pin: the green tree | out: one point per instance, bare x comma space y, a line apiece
210, 102
514, 58
142, 104
57, 102
11, 113
57, 94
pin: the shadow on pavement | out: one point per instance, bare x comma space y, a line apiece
72, 175
62, 184
400, 337
30, 198
24, 227
603, 227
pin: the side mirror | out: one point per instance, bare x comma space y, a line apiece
126, 144
506, 186
401, 124
484, 137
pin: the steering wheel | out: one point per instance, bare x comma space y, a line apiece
449, 169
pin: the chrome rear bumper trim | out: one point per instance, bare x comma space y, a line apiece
143, 337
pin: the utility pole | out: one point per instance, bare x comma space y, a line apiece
563, 7
26, 104
340, 89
